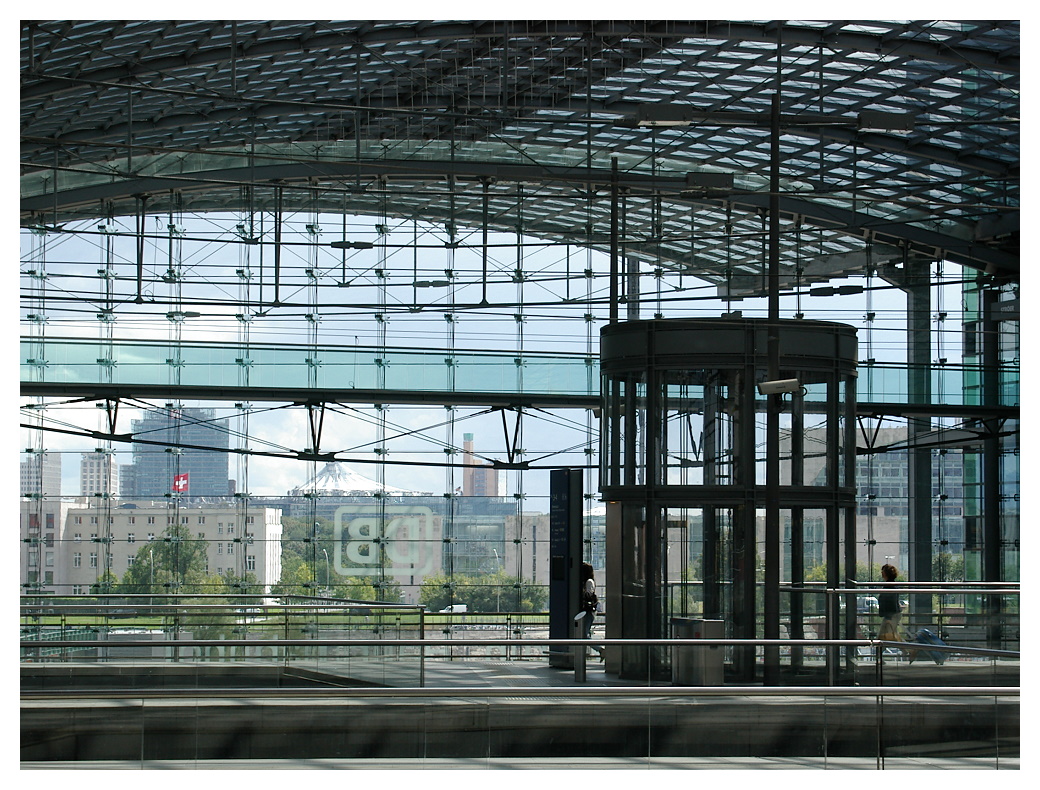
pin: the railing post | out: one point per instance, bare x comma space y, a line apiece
422, 649
579, 650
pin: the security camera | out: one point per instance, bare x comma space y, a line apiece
779, 387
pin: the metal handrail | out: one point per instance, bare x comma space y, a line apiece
548, 691
978, 651
909, 584
29, 610
907, 590
520, 643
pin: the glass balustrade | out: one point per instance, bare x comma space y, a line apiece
142, 363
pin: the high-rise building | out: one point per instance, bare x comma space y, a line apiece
476, 480
41, 474
98, 474
165, 458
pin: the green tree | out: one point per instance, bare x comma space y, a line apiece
297, 577
488, 592
947, 567
208, 623
864, 572
176, 562
435, 592
304, 538
106, 584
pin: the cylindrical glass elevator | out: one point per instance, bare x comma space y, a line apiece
683, 473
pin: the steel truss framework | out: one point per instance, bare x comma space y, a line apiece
648, 141
452, 121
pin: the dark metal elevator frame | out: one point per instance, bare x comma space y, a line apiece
724, 360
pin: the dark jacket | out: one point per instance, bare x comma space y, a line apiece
888, 604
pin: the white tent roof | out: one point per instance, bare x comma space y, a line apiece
337, 477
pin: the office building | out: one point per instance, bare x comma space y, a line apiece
98, 474
168, 458
40, 472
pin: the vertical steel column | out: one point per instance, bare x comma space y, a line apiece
277, 244
613, 240
709, 513
139, 238
771, 586
797, 602
632, 289
991, 507
653, 550
918, 349
745, 605
847, 468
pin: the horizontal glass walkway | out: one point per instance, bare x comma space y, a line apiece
285, 372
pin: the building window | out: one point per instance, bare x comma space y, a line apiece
77, 537
231, 548
250, 562
49, 559
151, 519
77, 560
77, 519
220, 548
151, 536
220, 530
130, 560
202, 536
93, 520
249, 519
184, 519
93, 559
230, 530
202, 519
77, 589
133, 519
130, 537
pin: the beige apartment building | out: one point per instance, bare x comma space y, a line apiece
67, 545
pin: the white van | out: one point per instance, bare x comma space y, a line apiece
455, 608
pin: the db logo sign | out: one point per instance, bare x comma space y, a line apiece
397, 538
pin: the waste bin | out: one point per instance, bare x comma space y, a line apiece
697, 666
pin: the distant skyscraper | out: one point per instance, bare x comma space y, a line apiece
98, 474
476, 481
41, 474
159, 470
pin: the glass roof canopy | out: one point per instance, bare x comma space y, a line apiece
515, 125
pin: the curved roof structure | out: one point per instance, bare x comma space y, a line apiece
336, 479
895, 139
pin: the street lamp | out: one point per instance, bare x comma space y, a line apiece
498, 587
328, 582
